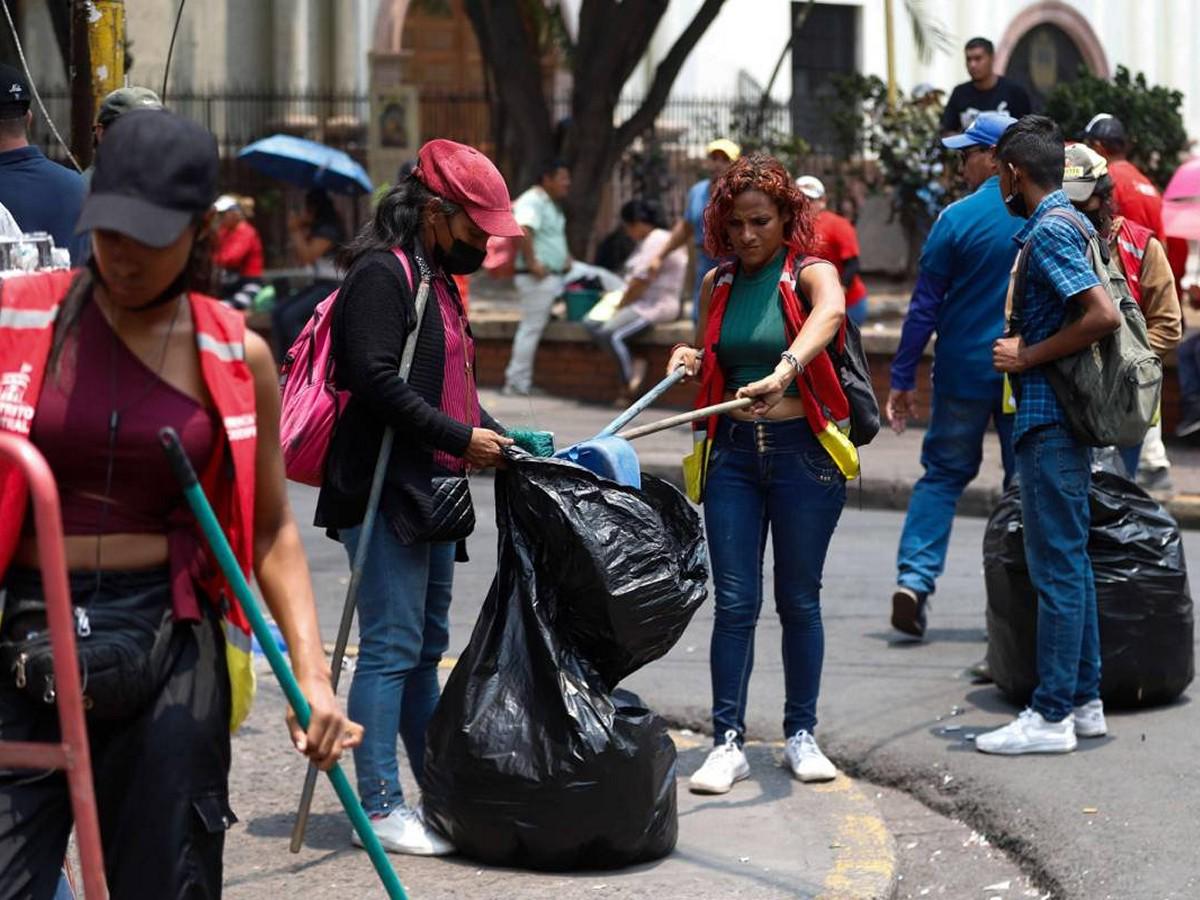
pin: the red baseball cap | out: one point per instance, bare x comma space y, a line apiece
463, 175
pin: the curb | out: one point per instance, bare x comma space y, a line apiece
976, 502
865, 864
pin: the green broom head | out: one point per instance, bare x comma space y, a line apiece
536, 443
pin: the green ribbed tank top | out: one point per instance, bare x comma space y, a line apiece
752, 332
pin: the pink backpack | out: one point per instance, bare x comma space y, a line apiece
311, 402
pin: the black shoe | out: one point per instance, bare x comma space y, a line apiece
908, 611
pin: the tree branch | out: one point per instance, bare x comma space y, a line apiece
664, 76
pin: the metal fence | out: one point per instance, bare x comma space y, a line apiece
673, 149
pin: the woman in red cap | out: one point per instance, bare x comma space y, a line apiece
434, 225
93, 364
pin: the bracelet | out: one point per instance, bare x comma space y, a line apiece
791, 359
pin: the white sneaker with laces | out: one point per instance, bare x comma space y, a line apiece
806, 760
1029, 733
404, 830
1089, 720
724, 765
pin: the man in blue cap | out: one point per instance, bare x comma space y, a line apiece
960, 294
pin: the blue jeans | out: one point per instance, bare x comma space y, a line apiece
1054, 474
951, 456
768, 476
403, 628
1129, 458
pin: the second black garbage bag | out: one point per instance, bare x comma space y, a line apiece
1142, 597
533, 757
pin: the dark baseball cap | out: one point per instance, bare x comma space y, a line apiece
124, 100
156, 172
1104, 127
14, 92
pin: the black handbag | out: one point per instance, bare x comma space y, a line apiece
123, 656
451, 514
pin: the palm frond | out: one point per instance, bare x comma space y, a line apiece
929, 35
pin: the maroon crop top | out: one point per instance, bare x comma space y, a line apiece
72, 429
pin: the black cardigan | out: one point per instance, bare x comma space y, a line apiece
372, 317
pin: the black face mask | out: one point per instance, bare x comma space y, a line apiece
461, 259
1015, 201
1097, 218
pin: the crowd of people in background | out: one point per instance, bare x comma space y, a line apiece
777, 275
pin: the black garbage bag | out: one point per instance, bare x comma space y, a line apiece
1142, 598
531, 758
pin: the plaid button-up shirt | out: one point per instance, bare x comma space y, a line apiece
1059, 269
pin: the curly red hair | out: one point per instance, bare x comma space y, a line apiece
757, 172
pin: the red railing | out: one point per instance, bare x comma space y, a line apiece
72, 754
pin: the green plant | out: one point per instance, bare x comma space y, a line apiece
905, 142
1150, 115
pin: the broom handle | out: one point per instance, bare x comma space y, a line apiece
644, 402
232, 571
685, 418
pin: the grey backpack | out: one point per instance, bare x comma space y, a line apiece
1109, 391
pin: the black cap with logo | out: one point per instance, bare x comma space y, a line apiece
14, 92
156, 172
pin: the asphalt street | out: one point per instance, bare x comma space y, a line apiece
1114, 820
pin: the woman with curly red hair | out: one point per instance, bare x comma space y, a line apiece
767, 313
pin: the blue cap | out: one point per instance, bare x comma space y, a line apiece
985, 131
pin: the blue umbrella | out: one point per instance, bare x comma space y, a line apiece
307, 164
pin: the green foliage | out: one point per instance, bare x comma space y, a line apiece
905, 141
1150, 115
755, 127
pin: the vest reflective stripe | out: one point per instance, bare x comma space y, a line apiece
1132, 248
27, 318
226, 352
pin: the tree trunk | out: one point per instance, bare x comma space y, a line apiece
613, 37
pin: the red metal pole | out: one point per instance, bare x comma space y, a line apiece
47, 517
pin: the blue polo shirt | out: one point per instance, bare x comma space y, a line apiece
965, 268
43, 196
693, 214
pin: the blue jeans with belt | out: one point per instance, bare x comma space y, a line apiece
768, 477
404, 628
1054, 475
951, 456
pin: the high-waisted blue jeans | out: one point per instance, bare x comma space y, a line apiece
404, 628
769, 477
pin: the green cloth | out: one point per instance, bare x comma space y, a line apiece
536, 211
752, 332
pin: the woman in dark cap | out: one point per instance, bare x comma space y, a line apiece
433, 225
105, 357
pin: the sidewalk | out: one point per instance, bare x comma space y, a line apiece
891, 464
771, 837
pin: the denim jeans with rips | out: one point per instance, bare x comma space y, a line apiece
1054, 472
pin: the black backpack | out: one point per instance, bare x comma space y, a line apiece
854, 372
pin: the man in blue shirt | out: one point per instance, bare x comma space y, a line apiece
960, 294
722, 153
1053, 468
40, 194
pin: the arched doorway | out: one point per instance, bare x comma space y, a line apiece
1046, 44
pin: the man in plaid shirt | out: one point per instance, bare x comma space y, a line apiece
1053, 468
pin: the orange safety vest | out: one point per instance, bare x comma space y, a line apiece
29, 306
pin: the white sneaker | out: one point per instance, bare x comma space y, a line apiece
806, 760
1029, 733
1089, 720
725, 765
404, 830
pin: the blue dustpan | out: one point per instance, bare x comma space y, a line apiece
608, 456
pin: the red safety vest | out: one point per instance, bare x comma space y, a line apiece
29, 306
820, 391
1132, 240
